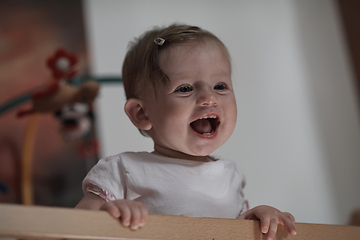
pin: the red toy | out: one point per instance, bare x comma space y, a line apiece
59, 93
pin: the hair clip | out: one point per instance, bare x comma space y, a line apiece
159, 41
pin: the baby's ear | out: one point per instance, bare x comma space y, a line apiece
134, 109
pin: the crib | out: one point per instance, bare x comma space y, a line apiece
37, 222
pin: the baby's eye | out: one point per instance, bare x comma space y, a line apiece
220, 86
184, 89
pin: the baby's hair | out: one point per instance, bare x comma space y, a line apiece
141, 65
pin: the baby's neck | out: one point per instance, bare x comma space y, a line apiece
179, 155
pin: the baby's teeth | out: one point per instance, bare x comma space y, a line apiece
208, 117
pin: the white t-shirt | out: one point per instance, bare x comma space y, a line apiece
170, 186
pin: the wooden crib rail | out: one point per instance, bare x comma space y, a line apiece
25, 222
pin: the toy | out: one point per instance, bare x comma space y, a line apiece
61, 98
59, 93
70, 99
75, 120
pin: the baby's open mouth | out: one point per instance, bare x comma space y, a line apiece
205, 126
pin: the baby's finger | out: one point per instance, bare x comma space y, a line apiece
291, 217
135, 215
111, 209
289, 223
273, 228
125, 214
265, 223
144, 214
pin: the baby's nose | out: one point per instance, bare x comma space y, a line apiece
207, 98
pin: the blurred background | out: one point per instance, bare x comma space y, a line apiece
296, 73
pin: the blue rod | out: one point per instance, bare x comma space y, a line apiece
75, 81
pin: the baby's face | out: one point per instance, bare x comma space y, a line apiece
195, 113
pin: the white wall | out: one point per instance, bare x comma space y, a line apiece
297, 138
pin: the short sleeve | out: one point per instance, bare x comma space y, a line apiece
244, 203
105, 179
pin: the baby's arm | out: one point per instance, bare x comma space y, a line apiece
132, 214
270, 218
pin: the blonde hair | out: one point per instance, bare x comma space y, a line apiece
141, 67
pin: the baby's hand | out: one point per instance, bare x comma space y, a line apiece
270, 218
132, 214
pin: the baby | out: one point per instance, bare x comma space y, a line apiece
179, 92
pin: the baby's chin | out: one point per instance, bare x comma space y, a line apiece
204, 151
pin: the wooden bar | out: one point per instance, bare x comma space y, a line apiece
25, 222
